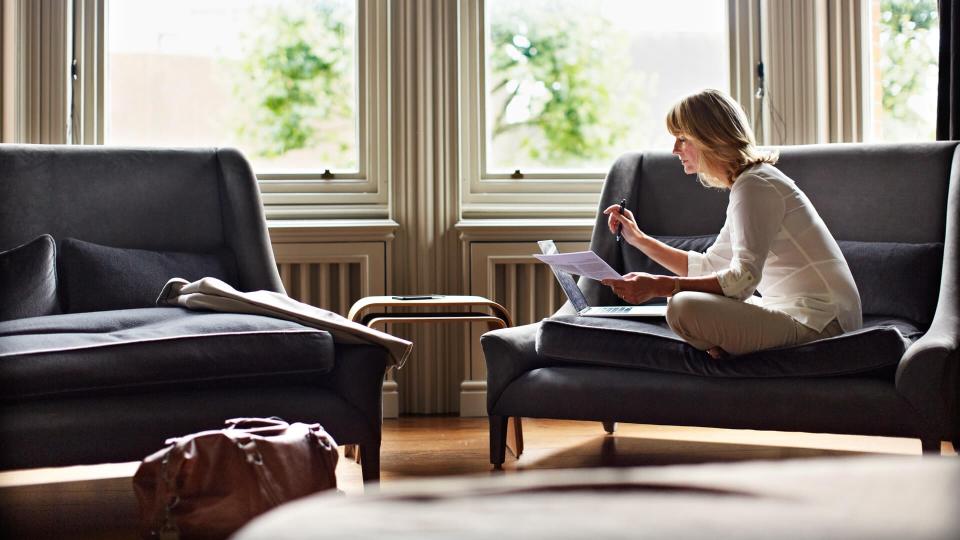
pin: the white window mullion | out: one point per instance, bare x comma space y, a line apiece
88, 89
745, 56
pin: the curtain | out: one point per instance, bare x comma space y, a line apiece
948, 87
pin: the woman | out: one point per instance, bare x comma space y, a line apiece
773, 241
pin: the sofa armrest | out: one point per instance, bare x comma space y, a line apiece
509, 353
929, 372
357, 377
927, 376
245, 225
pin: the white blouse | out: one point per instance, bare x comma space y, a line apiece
774, 241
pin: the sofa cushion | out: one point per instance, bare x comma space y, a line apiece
650, 344
28, 280
897, 279
139, 348
100, 278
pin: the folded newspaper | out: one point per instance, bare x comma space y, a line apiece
214, 295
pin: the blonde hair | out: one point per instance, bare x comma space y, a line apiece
718, 128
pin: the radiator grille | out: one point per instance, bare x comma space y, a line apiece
331, 286
528, 290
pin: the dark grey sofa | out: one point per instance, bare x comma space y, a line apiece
95, 374
895, 210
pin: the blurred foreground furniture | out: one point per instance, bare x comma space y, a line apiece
861, 497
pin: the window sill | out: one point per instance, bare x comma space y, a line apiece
522, 230
285, 231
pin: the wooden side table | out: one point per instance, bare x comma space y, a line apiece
378, 311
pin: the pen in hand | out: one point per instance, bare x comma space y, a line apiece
623, 203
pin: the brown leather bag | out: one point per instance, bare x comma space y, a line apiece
209, 484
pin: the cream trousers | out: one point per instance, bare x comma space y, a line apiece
707, 320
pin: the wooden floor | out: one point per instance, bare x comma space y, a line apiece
98, 501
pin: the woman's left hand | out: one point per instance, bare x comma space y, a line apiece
635, 287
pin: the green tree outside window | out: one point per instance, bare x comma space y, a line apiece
549, 70
295, 79
906, 61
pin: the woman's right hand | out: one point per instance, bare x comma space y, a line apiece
631, 232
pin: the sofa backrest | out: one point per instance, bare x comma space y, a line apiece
863, 192
190, 200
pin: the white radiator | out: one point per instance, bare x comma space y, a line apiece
332, 275
332, 286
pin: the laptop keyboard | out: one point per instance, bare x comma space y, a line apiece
613, 309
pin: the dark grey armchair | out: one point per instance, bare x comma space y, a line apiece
99, 374
895, 210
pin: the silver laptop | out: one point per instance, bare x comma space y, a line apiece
579, 301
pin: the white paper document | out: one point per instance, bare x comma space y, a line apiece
581, 263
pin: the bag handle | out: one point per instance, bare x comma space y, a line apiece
241, 423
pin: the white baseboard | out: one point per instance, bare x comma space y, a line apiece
473, 398
391, 400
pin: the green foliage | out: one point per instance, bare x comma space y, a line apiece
550, 75
906, 54
295, 75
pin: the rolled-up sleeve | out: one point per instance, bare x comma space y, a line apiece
716, 256
754, 219
696, 262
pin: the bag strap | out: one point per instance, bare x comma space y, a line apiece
321, 437
242, 423
265, 480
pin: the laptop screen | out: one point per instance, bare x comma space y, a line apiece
569, 286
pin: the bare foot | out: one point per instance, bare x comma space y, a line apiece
717, 353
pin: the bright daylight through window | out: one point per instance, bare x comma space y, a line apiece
905, 40
570, 88
275, 78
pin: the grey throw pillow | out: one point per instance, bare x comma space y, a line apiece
635, 261
101, 278
895, 279
902, 280
28, 280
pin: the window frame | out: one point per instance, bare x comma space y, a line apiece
361, 193
486, 194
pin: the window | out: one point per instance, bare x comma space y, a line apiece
285, 81
276, 79
552, 92
904, 40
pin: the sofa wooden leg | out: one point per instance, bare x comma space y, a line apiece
515, 436
370, 462
498, 440
609, 426
930, 446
